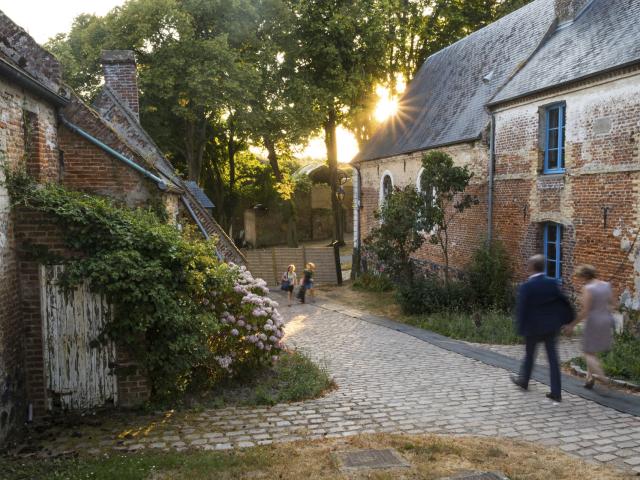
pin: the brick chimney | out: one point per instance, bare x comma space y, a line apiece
566, 10
119, 68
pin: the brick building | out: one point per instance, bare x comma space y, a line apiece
101, 149
544, 107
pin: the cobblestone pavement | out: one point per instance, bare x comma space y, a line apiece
392, 382
568, 348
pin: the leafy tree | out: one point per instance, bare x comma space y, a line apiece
399, 233
443, 187
282, 113
338, 52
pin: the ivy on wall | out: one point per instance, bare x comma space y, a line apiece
188, 319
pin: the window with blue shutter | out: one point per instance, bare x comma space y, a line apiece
553, 250
554, 139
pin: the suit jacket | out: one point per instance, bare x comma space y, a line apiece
542, 308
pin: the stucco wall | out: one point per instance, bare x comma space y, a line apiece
468, 230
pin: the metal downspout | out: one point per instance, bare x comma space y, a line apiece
162, 185
492, 155
355, 261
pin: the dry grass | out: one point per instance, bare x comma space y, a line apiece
378, 303
430, 457
434, 457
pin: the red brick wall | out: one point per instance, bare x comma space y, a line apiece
27, 138
602, 172
91, 169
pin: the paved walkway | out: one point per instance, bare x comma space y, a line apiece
392, 382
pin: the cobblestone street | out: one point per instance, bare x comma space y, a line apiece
391, 382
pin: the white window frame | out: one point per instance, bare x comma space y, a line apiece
381, 197
434, 230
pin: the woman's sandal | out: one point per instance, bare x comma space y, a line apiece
590, 383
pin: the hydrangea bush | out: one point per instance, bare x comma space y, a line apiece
252, 329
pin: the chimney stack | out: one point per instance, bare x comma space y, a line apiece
566, 10
120, 75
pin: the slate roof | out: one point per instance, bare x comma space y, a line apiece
445, 102
199, 194
605, 36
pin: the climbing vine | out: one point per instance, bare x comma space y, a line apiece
187, 318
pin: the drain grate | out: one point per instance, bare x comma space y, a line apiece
479, 476
370, 459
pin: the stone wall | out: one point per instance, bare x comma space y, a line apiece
596, 199
468, 231
27, 137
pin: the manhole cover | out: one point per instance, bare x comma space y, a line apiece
370, 459
479, 476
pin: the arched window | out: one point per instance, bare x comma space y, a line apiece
423, 186
422, 182
386, 186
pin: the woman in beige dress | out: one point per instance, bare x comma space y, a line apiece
597, 305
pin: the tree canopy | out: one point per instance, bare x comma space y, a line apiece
220, 76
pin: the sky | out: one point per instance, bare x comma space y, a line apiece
43, 19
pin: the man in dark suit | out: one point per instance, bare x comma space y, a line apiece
542, 310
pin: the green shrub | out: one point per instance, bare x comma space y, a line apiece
622, 361
188, 319
373, 282
490, 278
432, 294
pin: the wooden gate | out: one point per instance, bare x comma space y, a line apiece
77, 367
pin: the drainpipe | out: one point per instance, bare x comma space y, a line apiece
492, 159
355, 259
162, 185
199, 223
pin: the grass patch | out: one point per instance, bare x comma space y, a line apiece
622, 362
369, 282
431, 457
495, 327
294, 377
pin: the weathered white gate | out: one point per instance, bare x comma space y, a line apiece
77, 369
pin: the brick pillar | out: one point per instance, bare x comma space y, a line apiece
120, 75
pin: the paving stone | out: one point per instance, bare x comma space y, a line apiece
381, 389
605, 457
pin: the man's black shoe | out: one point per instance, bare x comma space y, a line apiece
555, 398
518, 382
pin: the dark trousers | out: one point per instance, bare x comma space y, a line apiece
549, 341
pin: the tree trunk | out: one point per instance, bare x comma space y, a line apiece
289, 204
330, 141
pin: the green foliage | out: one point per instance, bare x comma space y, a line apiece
373, 282
431, 294
490, 278
443, 186
399, 233
173, 301
622, 362
294, 377
148, 465
487, 327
